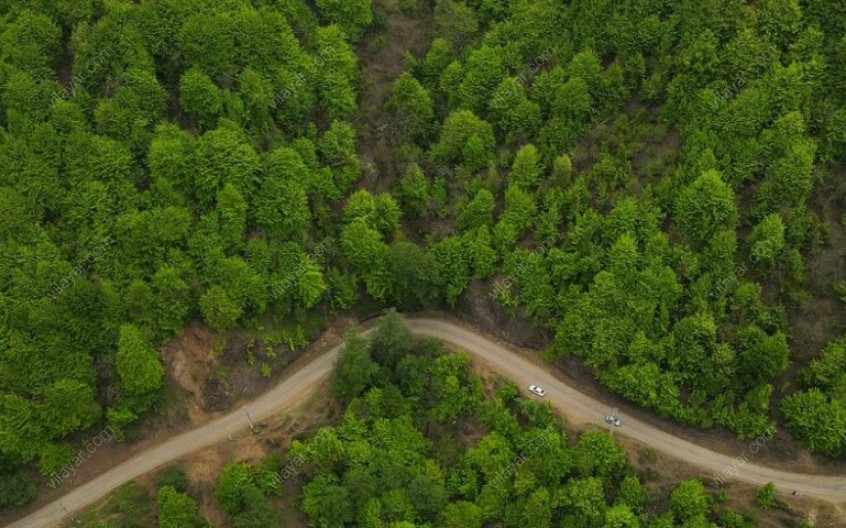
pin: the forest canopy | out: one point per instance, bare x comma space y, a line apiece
656, 187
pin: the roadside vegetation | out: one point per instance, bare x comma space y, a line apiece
423, 441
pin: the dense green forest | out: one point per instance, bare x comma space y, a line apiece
636, 178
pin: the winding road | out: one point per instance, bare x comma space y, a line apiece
576, 406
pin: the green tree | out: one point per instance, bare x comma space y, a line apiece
218, 309
326, 503
463, 133
513, 113
456, 21
353, 16
231, 210
256, 511
138, 366
412, 104
207, 40
200, 97
632, 493
483, 71
461, 514
364, 248
439, 56
688, 500
337, 151
620, 516
16, 490
230, 486
478, 212
562, 170
282, 209
766, 241
765, 496
30, 40
706, 205
819, 422
177, 510
310, 283
453, 266
414, 275
355, 370
413, 191
762, 357
392, 340
525, 170
224, 156
596, 454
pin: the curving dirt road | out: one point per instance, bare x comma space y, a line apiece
573, 404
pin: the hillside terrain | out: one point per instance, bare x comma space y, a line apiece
651, 192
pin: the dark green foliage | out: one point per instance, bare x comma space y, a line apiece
16, 490
355, 368
174, 477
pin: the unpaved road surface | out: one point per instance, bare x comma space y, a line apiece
576, 406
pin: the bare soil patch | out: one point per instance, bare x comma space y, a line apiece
382, 54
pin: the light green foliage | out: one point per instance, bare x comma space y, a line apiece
200, 97
514, 114
462, 514
817, 415
154, 158
219, 310
766, 241
177, 510
689, 500
413, 191
525, 170
439, 56
621, 516
30, 41
366, 251
352, 15
478, 212
453, 266
483, 71
412, 104
282, 209
138, 366
817, 420
223, 157
706, 205
765, 496
337, 151
520, 208
465, 134
211, 146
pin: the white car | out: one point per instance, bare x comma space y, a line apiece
538, 391
613, 420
